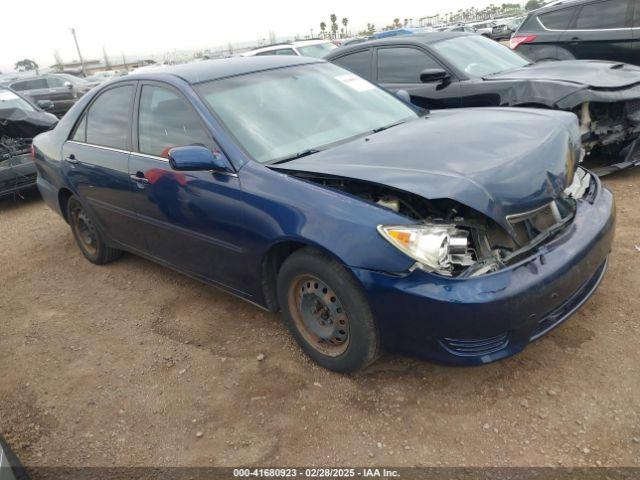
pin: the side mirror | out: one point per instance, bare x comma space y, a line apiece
198, 158
403, 95
45, 105
68, 85
429, 75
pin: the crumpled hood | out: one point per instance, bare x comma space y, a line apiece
497, 161
589, 73
17, 123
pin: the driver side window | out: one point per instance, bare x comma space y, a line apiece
165, 121
403, 64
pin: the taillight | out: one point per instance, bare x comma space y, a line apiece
33, 152
518, 40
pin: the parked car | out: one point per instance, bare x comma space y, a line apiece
303, 188
80, 85
453, 70
459, 28
505, 28
58, 90
20, 121
352, 41
305, 48
399, 32
582, 29
484, 28
102, 77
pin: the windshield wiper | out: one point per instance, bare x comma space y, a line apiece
380, 129
295, 156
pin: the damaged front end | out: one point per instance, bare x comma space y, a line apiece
610, 132
20, 122
453, 240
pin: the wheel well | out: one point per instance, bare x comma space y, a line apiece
273, 260
271, 264
63, 199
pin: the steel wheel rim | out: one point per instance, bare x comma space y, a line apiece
85, 231
319, 315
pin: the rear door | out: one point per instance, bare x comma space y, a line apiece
399, 67
188, 219
96, 162
602, 31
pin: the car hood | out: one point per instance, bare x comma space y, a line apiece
497, 161
589, 73
17, 123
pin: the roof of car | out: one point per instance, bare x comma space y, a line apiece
198, 72
558, 5
416, 39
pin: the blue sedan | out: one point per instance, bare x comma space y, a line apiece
458, 236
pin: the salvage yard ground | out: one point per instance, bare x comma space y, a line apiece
132, 364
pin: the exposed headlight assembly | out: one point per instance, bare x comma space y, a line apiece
436, 248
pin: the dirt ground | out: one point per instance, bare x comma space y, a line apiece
132, 364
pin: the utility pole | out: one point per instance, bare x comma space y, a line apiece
73, 32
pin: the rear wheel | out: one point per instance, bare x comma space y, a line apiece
89, 240
327, 312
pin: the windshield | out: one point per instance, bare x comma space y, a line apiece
9, 100
317, 50
280, 113
478, 56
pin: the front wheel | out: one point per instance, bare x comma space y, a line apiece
327, 312
89, 240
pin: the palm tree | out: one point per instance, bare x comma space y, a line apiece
323, 27
334, 24
345, 20
26, 65
396, 22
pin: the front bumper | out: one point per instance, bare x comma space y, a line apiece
17, 173
479, 320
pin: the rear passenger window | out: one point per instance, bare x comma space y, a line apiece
358, 63
402, 65
35, 84
602, 15
108, 118
166, 121
558, 20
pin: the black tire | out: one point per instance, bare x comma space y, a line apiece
348, 340
87, 236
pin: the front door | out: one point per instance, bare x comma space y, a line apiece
398, 68
96, 161
189, 218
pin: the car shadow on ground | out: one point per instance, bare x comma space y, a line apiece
19, 199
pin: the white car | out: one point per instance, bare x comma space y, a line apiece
304, 48
483, 28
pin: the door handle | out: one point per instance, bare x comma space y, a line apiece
575, 40
139, 178
71, 159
